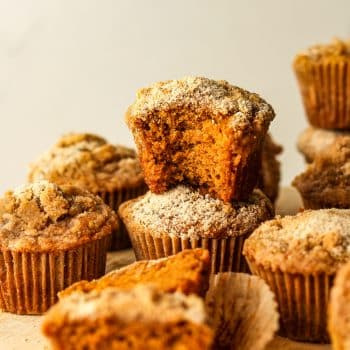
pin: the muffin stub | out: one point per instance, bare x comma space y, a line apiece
201, 132
298, 257
326, 182
323, 74
142, 317
186, 272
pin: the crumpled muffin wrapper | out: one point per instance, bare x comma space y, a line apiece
29, 282
120, 239
325, 89
242, 310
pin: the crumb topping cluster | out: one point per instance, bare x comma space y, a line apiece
186, 212
42, 216
88, 161
201, 95
311, 241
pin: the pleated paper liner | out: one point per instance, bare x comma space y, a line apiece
243, 311
302, 301
29, 282
120, 238
225, 253
325, 89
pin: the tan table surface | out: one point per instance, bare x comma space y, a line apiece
23, 332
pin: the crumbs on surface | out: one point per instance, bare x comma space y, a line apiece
184, 212
201, 94
42, 216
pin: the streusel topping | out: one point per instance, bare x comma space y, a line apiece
201, 94
42, 216
143, 303
309, 242
185, 212
88, 161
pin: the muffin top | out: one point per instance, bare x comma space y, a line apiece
313, 141
89, 162
202, 96
338, 49
313, 241
327, 180
42, 217
185, 212
143, 303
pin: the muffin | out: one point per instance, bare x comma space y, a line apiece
139, 318
312, 142
323, 75
186, 272
200, 132
298, 257
89, 162
50, 237
326, 182
160, 225
270, 173
338, 320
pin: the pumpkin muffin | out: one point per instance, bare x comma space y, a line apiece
298, 256
160, 225
186, 272
339, 310
200, 132
139, 318
50, 237
90, 162
326, 182
312, 142
323, 73
270, 173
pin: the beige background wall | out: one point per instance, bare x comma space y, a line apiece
75, 65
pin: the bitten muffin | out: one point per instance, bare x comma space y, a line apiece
298, 256
270, 173
326, 182
339, 310
160, 225
50, 237
186, 272
312, 142
140, 318
323, 74
90, 162
200, 132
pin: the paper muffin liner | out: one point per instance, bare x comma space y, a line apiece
29, 282
120, 239
225, 253
242, 311
325, 89
302, 301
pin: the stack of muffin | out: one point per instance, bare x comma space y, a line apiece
323, 74
200, 145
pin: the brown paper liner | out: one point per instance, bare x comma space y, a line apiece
302, 301
225, 253
325, 89
29, 282
120, 238
242, 310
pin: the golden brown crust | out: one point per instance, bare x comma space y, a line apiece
313, 241
186, 213
186, 272
43, 217
139, 318
89, 162
181, 126
326, 182
270, 168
